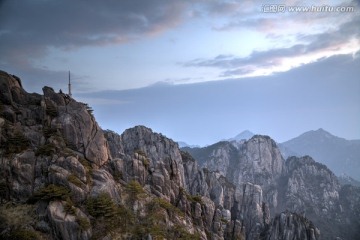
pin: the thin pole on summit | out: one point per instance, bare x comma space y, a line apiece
69, 85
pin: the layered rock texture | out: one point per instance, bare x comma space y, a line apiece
290, 192
63, 177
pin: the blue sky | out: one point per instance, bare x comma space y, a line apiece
197, 71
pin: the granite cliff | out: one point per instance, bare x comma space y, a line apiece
298, 185
63, 177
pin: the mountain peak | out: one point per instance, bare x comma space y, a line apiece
322, 131
244, 135
339, 154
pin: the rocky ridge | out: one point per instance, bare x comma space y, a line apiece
298, 185
63, 177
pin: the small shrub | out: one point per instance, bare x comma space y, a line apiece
125, 215
85, 163
117, 176
158, 232
89, 109
140, 152
146, 162
22, 234
101, 206
51, 192
46, 150
49, 131
69, 144
51, 110
75, 180
171, 209
15, 216
179, 232
69, 207
17, 143
135, 190
194, 198
83, 223
88, 169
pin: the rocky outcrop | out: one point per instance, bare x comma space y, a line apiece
67, 226
54, 155
88, 183
300, 185
311, 187
257, 161
291, 226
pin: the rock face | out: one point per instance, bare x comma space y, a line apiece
299, 184
85, 183
283, 228
311, 187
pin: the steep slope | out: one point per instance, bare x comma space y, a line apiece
71, 180
257, 160
340, 155
63, 177
299, 184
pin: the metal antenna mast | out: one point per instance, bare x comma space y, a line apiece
69, 85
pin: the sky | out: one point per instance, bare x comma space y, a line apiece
195, 70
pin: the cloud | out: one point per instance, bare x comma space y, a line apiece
309, 48
320, 94
71, 24
29, 30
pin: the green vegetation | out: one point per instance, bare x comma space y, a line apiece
135, 191
89, 109
108, 216
49, 131
46, 150
51, 192
158, 210
88, 168
72, 178
117, 175
171, 209
16, 143
101, 206
51, 110
70, 144
179, 232
140, 152
83, 223
14, 219
69, 207
196, 198
21, 234
16, 216
146, 162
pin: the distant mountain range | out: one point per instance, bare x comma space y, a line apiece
340, 155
